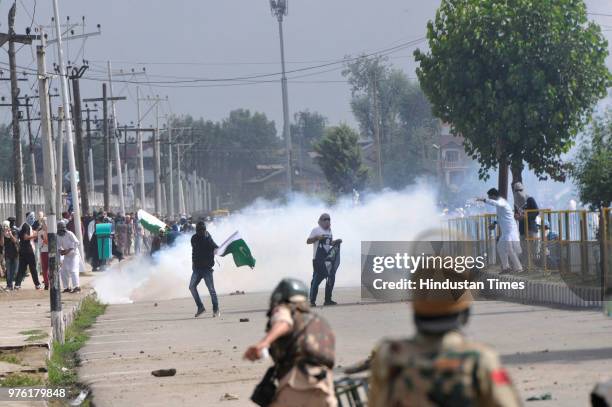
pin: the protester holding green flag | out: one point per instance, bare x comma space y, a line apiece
203, 257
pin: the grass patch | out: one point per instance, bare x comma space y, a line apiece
10, 359
21, 380
34, 335
64, 360
32, 332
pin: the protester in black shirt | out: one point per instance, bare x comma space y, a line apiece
26, 252
203, 257
11, 253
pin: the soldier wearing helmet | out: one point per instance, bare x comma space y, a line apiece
439, 366
301, 344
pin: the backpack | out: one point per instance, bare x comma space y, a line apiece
311, 343
316, 342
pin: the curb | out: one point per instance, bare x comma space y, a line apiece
542, 292
67, 318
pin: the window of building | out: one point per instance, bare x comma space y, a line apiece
451, 155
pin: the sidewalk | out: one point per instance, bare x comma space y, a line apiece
25, 323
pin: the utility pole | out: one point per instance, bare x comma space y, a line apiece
64, 87
32, 158
78, 127
279, 9
90, 150
107, 168
49, 183
59, 159
12, 38
171, 211
116, 138
105, 129
157, 165
377, 143
141, 180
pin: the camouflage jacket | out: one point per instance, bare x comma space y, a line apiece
311, 341
442, 370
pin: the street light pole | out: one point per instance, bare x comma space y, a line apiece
279, 9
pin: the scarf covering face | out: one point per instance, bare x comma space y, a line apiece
30, 218
520, 196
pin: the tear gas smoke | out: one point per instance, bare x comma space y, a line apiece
277, 237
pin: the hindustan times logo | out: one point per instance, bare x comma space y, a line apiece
404, 261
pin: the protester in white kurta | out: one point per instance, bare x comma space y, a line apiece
509, 245
68, 246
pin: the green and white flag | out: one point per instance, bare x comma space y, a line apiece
150, 222
239, 250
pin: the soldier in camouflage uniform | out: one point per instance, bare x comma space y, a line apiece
439, 366
302, 347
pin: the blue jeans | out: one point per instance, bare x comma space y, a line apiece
11, 271
206, 275
320, 273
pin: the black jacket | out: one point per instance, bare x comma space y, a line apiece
203, 251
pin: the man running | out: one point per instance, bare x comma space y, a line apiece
203, 257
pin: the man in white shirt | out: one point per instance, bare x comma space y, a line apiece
324, 260
68, 246
509, 245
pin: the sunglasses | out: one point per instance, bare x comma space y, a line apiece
324, 219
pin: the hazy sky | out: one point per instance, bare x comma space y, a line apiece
234, 38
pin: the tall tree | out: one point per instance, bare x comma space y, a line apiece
308, 127
517, 79
593, 165
340, 159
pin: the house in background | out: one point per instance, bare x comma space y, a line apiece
453, 163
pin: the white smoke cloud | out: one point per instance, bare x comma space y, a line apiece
277, 237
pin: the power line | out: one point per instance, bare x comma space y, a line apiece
383, 52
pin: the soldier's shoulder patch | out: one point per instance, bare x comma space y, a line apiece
500, 377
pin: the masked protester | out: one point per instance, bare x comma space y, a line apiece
203, 257
27, 258
68, 246
439, 366
11, 253
302, 346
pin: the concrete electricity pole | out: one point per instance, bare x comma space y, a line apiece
377, 138
78, 127
49, 183
59, 159
66, 103
105, 129
32, 157
279, 9
141, 180
90, 150
12, 38
171, 211
116, 138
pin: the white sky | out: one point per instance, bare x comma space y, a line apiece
232, 38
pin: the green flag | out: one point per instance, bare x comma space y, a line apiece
239, 249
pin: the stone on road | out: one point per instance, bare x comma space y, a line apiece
561, 352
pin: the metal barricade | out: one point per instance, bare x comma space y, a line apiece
351, 391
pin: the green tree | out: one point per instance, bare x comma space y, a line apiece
593, 165
227, 152
405, 121
517, 79
308, 127
340, 159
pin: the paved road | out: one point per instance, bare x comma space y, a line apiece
547, 350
